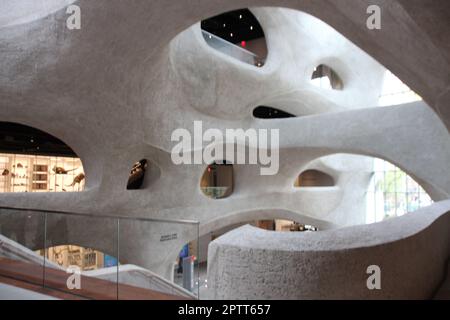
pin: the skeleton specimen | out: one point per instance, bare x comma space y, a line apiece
77, 179
5, 172
61, 170
19, 165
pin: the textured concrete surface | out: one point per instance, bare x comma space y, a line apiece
115, 90
411, 251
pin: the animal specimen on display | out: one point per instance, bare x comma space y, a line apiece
5, 172
19, 165
137, 174
77, 179
61, 170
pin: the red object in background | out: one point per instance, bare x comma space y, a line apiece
243, 43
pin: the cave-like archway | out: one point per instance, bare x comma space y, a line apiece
32, 160
237, 34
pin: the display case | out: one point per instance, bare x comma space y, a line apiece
31, 173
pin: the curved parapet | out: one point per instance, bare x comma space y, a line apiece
411, 252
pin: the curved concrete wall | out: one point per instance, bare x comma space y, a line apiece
411, 251
136, 70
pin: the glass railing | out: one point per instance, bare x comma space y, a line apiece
98, 256
232, 50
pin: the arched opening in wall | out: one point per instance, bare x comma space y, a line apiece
314, 178
392, 193
237, 34
263, 112
326, 78
85, 259
137, 175
34, 161
217, 180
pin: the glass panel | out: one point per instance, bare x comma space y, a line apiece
401, 203
232, 50
169, 267
77, 247
400, 181
21, 232
425, 199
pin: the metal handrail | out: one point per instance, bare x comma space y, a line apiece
256, 60
90, 215
209, 34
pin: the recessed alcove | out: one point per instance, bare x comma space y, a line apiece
217, 180
314, 178
325, 77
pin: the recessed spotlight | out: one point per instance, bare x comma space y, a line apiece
224, 25
251, 27
231, 34
240, 16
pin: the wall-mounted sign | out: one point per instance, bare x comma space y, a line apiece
167, 237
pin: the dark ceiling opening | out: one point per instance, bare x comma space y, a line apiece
234, 26
22, 139
263, 112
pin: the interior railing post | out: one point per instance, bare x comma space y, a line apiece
118, 256
198, 261
45, 249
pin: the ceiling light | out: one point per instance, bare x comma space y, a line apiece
231, 34
240, 16
224, 25
251, 27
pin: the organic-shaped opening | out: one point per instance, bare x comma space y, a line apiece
325, 77
217, 180
263, 112
392, 192
237, 34
314, 178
